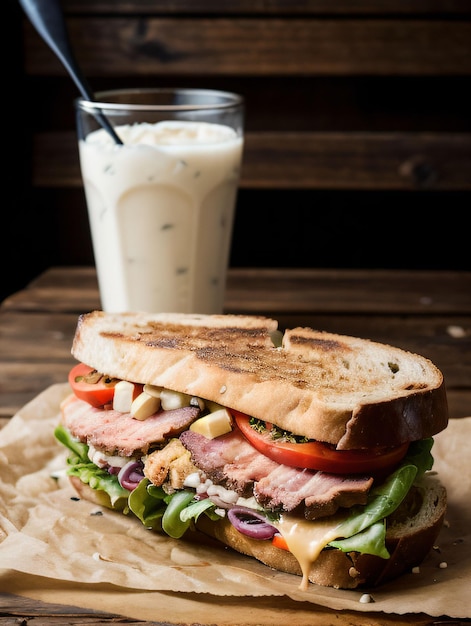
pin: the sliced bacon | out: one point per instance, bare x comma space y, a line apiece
113, 432
232, 461
323, 493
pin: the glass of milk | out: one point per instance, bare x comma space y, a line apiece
161, 204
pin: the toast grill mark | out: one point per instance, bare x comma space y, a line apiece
230, 460
231, 349
111, 431
153, 334
321, 345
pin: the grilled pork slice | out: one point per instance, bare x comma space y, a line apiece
118, 433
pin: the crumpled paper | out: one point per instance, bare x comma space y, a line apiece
57, 548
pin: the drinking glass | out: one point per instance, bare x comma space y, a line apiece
161, 203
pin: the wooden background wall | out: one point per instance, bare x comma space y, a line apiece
358, 138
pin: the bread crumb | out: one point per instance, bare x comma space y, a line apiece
223, 389
416, 570
443, 565
353, 573
366, 598
457, 332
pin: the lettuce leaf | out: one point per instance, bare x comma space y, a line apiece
368, 541
147, 502
172, 513
78, 464
385, 498
64, 436
172, 523
101, 480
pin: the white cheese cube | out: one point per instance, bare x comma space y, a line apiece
144, 406
123, 396
173, 399
213, 425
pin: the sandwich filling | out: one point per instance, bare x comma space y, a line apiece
168, 458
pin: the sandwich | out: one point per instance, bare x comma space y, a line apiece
308, 451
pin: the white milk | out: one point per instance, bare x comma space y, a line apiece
161, 211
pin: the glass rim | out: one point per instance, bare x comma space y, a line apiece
231, 100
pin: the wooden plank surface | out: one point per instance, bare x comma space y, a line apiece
280, 290
261, 46
42, 614
270, 7
308, 160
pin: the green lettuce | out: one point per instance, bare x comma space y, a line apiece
383, 500
372, 540
172, 513
78, 464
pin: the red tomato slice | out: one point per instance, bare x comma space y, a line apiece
91, 386
280, 542
320, 456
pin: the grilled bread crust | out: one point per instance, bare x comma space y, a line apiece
411, 534
347, 391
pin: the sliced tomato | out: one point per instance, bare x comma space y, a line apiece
91, 386
280, 542
321, 456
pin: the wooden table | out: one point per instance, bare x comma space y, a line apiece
423, 311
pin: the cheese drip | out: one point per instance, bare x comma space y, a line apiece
306, 539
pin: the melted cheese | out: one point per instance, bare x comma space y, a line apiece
306, 539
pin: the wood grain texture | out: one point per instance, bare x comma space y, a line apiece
116, 45
13, 608
308, 160
348, 104
271, 7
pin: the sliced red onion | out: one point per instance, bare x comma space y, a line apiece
251, 523
130, 475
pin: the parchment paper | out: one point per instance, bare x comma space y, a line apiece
56, 548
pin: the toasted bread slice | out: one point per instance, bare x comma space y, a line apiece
350, 392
